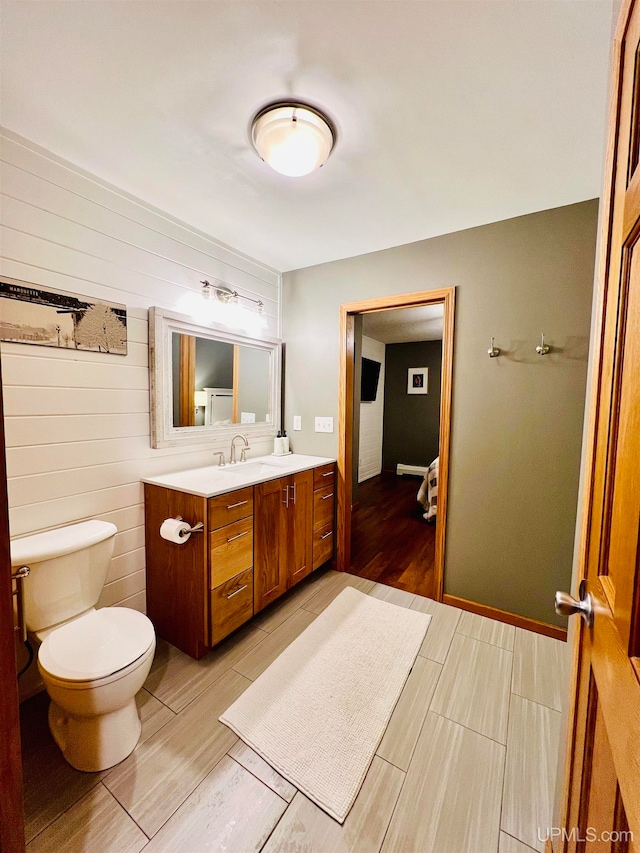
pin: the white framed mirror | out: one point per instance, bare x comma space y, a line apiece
209, 383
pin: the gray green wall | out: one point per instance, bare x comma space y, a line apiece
411, 421
516, 420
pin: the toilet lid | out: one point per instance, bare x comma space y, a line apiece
97, 644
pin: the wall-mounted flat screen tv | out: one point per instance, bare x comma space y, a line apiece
369, 381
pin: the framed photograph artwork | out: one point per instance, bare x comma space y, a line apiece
418, 380
42, 316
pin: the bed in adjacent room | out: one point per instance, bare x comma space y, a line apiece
428, 492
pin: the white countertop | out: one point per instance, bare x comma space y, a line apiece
215, 480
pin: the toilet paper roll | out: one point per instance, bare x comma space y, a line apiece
175, 530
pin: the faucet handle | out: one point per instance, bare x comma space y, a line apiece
243, 453
220, 456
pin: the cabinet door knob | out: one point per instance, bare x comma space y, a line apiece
326, 497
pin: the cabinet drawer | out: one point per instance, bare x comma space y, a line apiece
231, 605
230, 507
322, 544
231, 550
324, 475
323, 503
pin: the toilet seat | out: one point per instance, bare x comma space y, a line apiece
96, 647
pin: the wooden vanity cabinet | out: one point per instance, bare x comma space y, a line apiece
283, 535
177, 575
324, 505
257, 542
230, 562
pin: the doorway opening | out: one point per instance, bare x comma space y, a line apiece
381, 534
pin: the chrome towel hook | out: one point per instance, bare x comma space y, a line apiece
493, 351
542, 348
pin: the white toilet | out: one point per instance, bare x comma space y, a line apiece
93, 662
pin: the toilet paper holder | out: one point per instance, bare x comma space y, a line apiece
197, 528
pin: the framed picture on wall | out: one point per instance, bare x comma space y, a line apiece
42, 316
418, 380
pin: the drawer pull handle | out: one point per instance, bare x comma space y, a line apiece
328, 474
326, 497
238, 535
231, 594
324, 536
240, 503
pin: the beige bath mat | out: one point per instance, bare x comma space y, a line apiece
318, 713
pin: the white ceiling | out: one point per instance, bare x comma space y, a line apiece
402, 325
450, 114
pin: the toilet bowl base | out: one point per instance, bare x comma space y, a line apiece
95, 743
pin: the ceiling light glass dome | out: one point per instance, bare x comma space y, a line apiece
293, 138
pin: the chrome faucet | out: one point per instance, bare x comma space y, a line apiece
243, 451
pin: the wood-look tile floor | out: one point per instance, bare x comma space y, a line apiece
467, 763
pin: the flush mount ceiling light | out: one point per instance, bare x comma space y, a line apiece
292, 137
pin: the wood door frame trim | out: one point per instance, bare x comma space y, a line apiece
348, 311
12, 835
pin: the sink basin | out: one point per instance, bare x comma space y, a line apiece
252, 469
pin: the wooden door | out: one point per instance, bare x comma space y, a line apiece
270, 513
11, 810
600, 809
300, 525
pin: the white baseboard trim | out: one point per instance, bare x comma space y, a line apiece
415, 470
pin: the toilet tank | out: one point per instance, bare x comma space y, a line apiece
68, 568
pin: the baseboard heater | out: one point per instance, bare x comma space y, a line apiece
414, 470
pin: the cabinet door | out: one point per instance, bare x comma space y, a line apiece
177, 574
271, 502
300, 526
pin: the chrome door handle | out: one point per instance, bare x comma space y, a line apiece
286, 496
567, 605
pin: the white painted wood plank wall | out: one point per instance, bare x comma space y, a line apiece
372, 417
77, 424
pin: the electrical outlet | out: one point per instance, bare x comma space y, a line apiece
324, 424
297, 422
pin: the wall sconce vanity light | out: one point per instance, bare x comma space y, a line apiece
542, 348
493, 351
236, 314
293, 137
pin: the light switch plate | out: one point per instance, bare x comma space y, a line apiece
324, 424
297, 422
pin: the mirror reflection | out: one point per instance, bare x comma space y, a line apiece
216, 383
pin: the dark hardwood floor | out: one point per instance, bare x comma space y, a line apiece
390, 541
